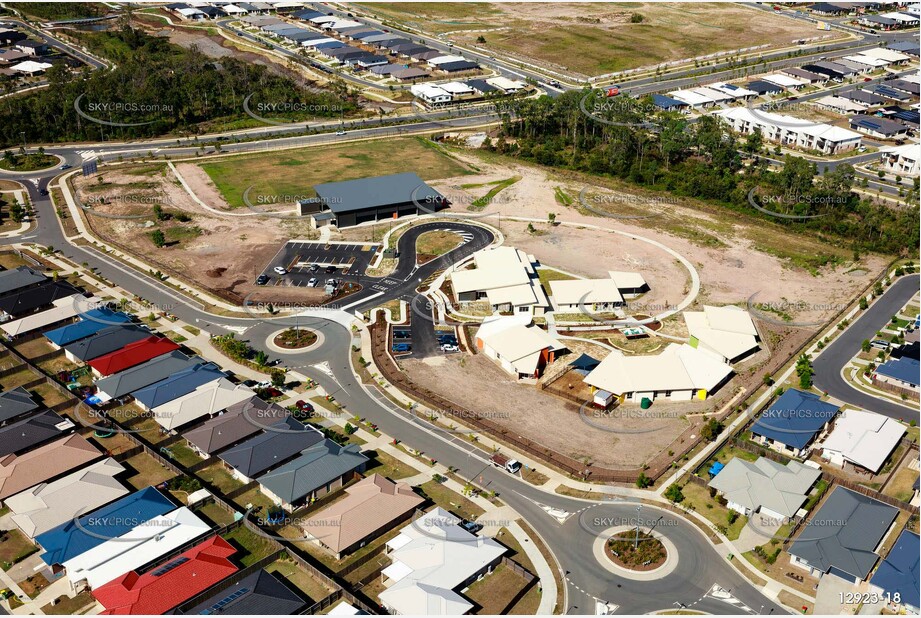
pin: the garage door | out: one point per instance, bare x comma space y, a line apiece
364, 217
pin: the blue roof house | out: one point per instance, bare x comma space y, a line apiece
898, 575
793, 423
91, 323
78, 536
902, 374
177, 385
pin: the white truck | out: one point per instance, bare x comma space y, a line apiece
512, 466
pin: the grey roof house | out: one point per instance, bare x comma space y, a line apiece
23, 302
15, 403
179, 384
238, 423
107, 340
765, 486
279, 443
256, 594
154, 370
320, 469
28, 433
19, 278
842, 538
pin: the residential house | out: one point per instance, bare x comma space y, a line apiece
179, 384
26, 434
205, 400
863, 439
107, 340
23, 301
20, 278
131, 355
90, 323
47, 462
520, 348
371, 507
774, 490
237, 423
506, 278
726, 332
901, 375
160, 368
265, 451
794, 423
897, 576
255, 594
16, 403
844, 536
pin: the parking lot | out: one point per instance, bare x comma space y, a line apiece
419, 339
304, 260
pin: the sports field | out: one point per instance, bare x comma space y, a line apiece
595, 39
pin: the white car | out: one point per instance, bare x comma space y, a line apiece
313, 282
340, 132
280, 270
449, 347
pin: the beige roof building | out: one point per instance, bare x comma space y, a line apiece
48, 505
680, 372
505, 277
519, 347
19, 472
371, 506
727, 332
205, 400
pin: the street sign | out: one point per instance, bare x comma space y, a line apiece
90, 167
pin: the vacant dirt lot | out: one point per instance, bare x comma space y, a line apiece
599, 38
527, 410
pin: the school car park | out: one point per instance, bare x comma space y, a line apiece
302, 261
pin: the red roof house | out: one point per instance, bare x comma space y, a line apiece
167, 585
131, 355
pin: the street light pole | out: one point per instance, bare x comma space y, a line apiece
636, 543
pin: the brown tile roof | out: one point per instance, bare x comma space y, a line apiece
370, 505
19, 472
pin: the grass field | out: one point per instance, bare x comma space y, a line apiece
594, 39
293, 173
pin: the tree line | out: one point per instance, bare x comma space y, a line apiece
154, 88
666, 151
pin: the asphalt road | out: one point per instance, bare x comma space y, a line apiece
837, 355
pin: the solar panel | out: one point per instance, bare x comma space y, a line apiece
169, 567
225, 601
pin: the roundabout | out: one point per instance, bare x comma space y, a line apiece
658, 569
304, 340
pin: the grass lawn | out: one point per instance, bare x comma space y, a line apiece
18, 378
14, 547
215, 513
779, 570
900, 485
191, 329
176, 337
293, 172
528, 604
219, 476
254, 497
517, 553
34, 347
28, 162
34, 584
436, 243
301, 579
253, 546
181, 452
389, 466
495, 591
69, 605
486, 200
451, 500
698, 498
50, 396
546, 275
9, 260
149, 471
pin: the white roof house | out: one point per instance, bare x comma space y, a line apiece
438, 60
680, 372
839, 104
868, 61
233, 9
456, 88
140, 545
520, 348
191, 13
342, 24
692, 98
430, 93
506, 84
506, 277
727, 332
901, 160
205, 400
430, 558
714, 94
736, 92
31, 66
862, 438
889, 55
62, 309
785, 81
765, 486
589, 295
47, 505
904, 19
323, 19
789, 130
628, 282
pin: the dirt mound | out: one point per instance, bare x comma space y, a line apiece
216, 273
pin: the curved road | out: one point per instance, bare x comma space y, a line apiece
838, 354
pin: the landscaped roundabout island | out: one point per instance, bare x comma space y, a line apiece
642, 552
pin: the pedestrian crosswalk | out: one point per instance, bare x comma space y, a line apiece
465, 235
86, 155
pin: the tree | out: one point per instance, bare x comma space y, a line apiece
711, 430
643, 481
865, 346
805, 372
158, 238
481, 39
673, 493
278, 378
863, 303
551, 217
158, 212
260, 358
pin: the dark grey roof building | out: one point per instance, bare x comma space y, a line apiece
317, 471
238, 423
376, 198
481, 86
279, 443
19, 278
15, 403
105, 341
30, 432
457, 66
256, 594
843, 536
160, 368
22, 302
862, 96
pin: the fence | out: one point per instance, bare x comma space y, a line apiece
230, 582
872, 493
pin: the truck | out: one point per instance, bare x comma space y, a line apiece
512, 466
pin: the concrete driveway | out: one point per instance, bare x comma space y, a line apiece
828, 595
758, 531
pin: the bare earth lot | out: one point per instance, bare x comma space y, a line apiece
599, 38
523, 408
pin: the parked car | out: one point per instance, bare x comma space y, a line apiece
313, 282
402, 347
879, 344
332, 282
449, 347
314, 268
472, 527
263, 384
280, 270
262, 279
512, 466
304, 406
330, 269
